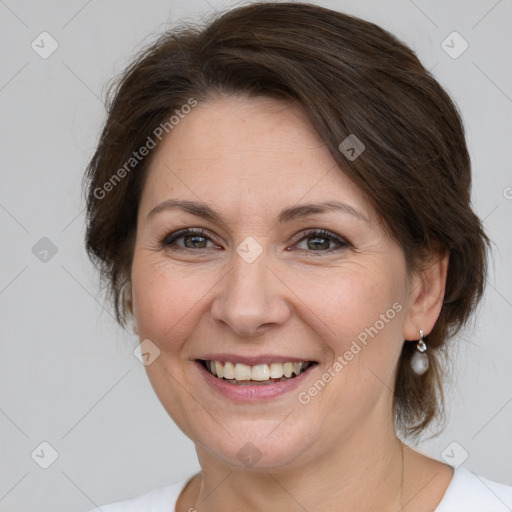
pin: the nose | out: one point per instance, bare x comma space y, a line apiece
251, 298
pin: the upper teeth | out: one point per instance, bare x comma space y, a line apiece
259, 372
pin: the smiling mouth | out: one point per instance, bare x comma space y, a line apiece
260, 374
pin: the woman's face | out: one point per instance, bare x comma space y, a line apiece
260, 286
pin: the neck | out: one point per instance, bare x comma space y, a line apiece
364, 472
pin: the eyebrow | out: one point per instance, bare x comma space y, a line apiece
286, 215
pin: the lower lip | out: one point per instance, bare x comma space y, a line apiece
239, 393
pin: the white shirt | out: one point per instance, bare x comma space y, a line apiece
467, 492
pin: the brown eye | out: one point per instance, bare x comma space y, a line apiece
192, 239
321, 240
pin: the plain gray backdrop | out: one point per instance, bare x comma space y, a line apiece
69, 378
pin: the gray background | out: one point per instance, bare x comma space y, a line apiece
68, 374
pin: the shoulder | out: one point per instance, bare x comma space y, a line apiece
469, 492
161, 499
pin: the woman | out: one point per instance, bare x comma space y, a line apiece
280, 204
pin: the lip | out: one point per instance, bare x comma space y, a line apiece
257, 393
253, 360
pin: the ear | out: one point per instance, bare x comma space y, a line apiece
129, 308
426, 296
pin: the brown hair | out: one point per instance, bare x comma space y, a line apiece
350, 77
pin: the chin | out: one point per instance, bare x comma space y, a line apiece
254, 445
259, 456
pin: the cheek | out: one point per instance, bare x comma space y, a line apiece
373, 320
351, 301
167, 299
358, 312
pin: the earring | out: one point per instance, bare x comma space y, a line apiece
419, 361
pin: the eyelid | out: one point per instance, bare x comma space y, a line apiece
170, 238
342, 241
180, 233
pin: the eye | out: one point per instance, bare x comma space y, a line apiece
319, 241
192, 239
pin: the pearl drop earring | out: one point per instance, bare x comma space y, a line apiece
419, 361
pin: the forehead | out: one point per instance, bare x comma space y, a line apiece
259, 151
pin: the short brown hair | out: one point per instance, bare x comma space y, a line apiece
350, 77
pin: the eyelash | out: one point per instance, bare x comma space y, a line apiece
171, 238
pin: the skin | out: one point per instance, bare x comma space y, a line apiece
248, 159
